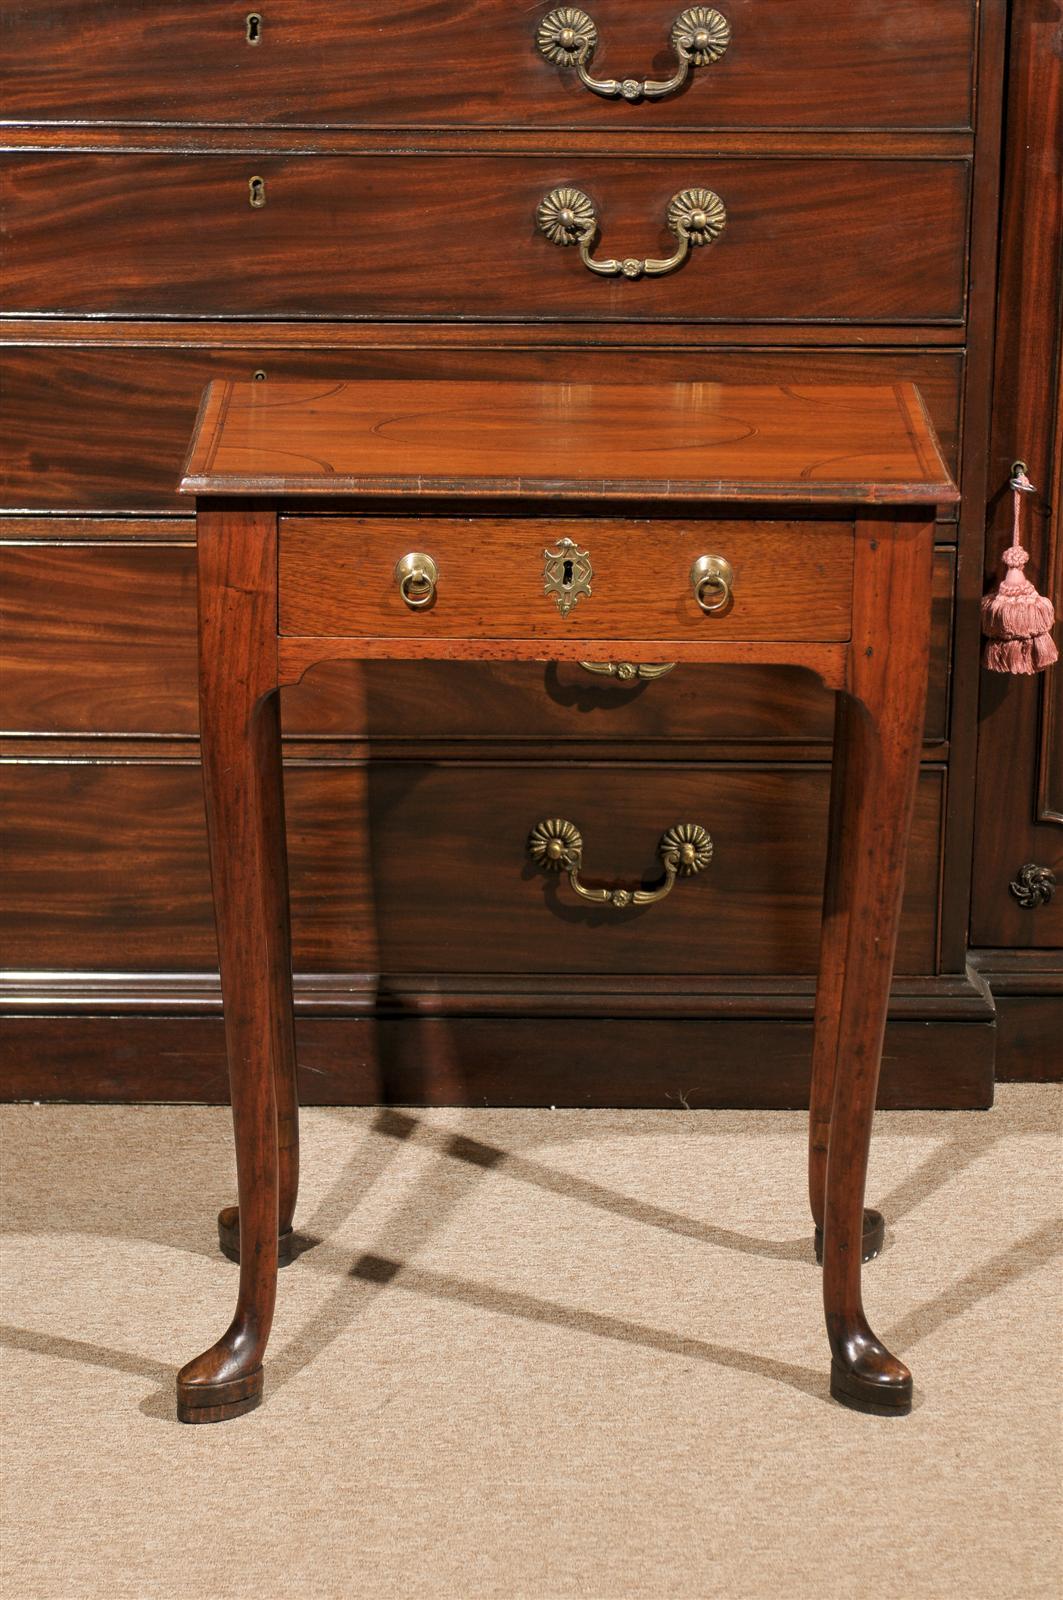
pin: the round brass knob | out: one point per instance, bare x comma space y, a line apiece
712, 579
416, 575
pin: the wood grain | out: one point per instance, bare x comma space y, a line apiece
445, 236
1028, 1034
413, 1059
985, 222
1019, 814
98, 639
683, 441
840, 64
876, 771
242, 786
97, 412
109, 860
791, 580
105, 427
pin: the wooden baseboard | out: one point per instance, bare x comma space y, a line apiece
1027, 991
478, 1041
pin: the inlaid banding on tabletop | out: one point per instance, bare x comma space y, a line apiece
512, 438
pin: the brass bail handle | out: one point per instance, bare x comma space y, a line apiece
630, 671
567, 216
569, 38
556, 845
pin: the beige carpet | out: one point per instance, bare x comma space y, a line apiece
599, 1369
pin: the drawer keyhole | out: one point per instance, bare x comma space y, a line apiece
254, 27
256, 192
567, 574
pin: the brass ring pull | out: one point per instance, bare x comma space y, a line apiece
567, 216
416, 575
569, 37
557, 846
712, 579
629, 671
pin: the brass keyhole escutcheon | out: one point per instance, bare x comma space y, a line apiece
256, 192
567, 574
254, 27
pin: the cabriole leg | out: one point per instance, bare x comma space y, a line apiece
829, 987
240, 735
275, 890
880, 731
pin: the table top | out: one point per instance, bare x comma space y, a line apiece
842, 444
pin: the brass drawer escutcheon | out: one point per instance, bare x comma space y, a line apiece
567, 216
567, 574
569, 37
630, 671
557, 846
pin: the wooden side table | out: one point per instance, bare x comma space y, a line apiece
515, 521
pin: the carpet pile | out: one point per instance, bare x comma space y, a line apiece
528, 1355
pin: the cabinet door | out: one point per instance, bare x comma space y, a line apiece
1019, 811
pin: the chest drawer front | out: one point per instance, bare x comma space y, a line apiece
411, 867
451, 237
567, 578
453, 869
456, 63
103, 428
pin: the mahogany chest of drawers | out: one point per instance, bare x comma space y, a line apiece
325, 192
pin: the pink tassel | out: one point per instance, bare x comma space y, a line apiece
1016, 620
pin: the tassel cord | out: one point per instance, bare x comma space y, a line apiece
1016, 620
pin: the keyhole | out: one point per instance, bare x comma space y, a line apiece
254, 27
257, 191
566, 575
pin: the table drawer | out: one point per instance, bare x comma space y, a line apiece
456, 237
101, 638
560, 578
458, 63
